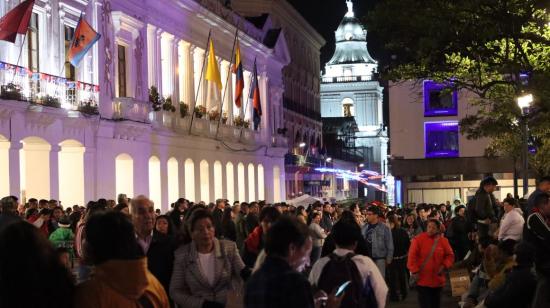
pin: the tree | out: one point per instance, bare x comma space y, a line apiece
497, 49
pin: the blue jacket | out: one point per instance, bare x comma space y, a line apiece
382, 242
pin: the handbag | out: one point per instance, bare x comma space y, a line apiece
413, 279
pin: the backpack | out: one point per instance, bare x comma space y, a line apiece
471, 213
340, 269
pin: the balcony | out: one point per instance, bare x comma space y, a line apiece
21, 84
343, 79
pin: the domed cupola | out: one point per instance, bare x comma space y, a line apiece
351, 41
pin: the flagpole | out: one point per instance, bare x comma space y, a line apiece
19, 57
227, 79
200, 81
246, 105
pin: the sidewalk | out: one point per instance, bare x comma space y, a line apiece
412, 302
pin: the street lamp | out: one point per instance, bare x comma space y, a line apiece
361, 165
524, 103
302, 145
328, 160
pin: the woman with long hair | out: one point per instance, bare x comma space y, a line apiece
410, 225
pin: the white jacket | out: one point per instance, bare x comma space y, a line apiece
366, 267
511, 225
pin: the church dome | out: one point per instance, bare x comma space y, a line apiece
351, 41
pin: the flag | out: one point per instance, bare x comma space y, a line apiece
239, 78
84, 38
214, 80
255, 96
16, 21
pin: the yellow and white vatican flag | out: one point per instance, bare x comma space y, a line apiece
213, 83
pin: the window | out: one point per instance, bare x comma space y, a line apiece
439, 99
121, 71
32, 44
69, 68
347, 107
441, 139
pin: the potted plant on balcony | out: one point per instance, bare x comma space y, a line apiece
246, 124
51, 101
155, 99
88, 107
224, 118
167, 105
213, 115
239, 122
184, 109
200, 111
10, 91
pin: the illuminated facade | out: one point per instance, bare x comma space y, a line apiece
430, 160
349, 88
87, 132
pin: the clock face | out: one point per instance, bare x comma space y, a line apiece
348, 36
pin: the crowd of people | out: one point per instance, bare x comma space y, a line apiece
256, 255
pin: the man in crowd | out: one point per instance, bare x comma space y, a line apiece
217, 215
379, 239
252, 220
326, 220
327, 271
122, 199
177, 213
8, 214
543, 187
423, 211
537, 233
240, 224
278, 282
485, 204
159, 249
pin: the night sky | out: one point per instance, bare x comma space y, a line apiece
326, 15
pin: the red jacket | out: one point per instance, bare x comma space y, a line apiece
442, 258
254, 240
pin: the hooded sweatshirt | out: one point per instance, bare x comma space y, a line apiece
121, 283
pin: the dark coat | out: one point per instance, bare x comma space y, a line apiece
326, 222
217, 215
516, 292
401, 242
485, 205
160, 258
458, 236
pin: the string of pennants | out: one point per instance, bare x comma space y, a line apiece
22, 71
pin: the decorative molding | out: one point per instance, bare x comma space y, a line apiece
130, 131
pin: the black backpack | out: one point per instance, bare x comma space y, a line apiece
341, 269
471, 213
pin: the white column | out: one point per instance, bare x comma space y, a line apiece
211, 182
54, 171
189, 79
90, 174
198, 57
266, 116
224, 180
175, 75
197, 166
15, 169
247, 102
151, 56
165, 202
228, 88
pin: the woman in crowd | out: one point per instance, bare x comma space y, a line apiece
458, 233
254, 243
121, 277
205, 268
228, 225
31, 274
301, 214
397, 270
318, 236
163, 226
410, 225
329, 245
429, 256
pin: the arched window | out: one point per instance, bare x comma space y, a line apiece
348, 109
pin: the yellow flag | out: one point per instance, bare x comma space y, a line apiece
212, 71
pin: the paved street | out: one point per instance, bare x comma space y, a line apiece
411, 302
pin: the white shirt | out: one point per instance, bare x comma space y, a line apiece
511, 226
145, 243
367, 269
206, 261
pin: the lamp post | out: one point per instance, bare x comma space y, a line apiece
524, 103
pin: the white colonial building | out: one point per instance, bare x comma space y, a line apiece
126, 147
349, 88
